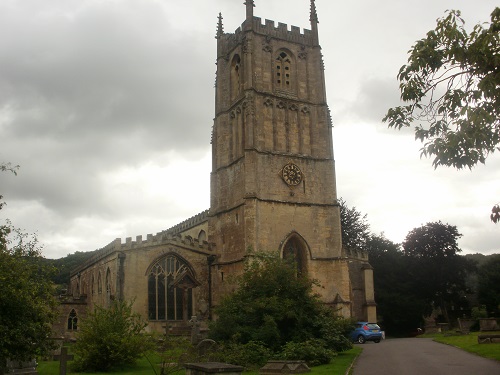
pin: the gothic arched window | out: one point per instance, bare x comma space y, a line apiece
202, 236
294, 250
169, 296
283, 71
99, 283
108, 281
235, 76
72, 321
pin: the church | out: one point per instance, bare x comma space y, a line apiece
272, 188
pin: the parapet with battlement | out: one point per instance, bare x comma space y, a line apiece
173, 235
269, 29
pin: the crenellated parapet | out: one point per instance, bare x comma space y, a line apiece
189, 223
268, 29
356, 254
171, 236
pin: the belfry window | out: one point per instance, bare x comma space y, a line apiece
72, 321
235, 76
283, 71
170, 289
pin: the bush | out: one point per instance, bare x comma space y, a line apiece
335, 332
314, 352
109, 338
251, 355
479, 312
274, 305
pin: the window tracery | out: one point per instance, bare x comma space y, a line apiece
166, 300
283, 71
72, 321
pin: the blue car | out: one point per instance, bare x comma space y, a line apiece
366, 331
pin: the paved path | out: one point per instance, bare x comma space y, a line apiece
418, 356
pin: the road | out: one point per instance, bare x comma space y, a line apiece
418, 356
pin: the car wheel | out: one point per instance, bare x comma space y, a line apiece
377, 341
361, 339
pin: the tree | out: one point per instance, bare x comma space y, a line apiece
495, 213
488, 284
399, 307
27, 304
436, 266
7, 167
274, 305
110, 337
355, 229
452, 81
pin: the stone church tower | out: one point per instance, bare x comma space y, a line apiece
272, 189
273, 170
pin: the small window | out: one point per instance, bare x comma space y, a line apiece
72, 321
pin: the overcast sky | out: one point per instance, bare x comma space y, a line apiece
107, 106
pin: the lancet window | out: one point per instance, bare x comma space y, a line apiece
99, 283
72, 321
235, 76
294, 250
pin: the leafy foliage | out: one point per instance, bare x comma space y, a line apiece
452, 81
355, 229
400, 309
174, 352
110, 337
66, 264
495, 213
7, 167
313, 351
251, 355
274, 306
435, 264
489, 281
27, 305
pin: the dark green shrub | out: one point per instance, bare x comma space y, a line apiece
110, 337
251, 355
314, 352
274, 305
335, 331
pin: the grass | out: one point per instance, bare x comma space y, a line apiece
338, 366
469, 343
142, 367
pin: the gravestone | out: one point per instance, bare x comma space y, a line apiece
195, 330
22, 367
488, 324
212, 368
284, 367
465, 324
63, 358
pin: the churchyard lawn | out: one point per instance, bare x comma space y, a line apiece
339, 365
468, 343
